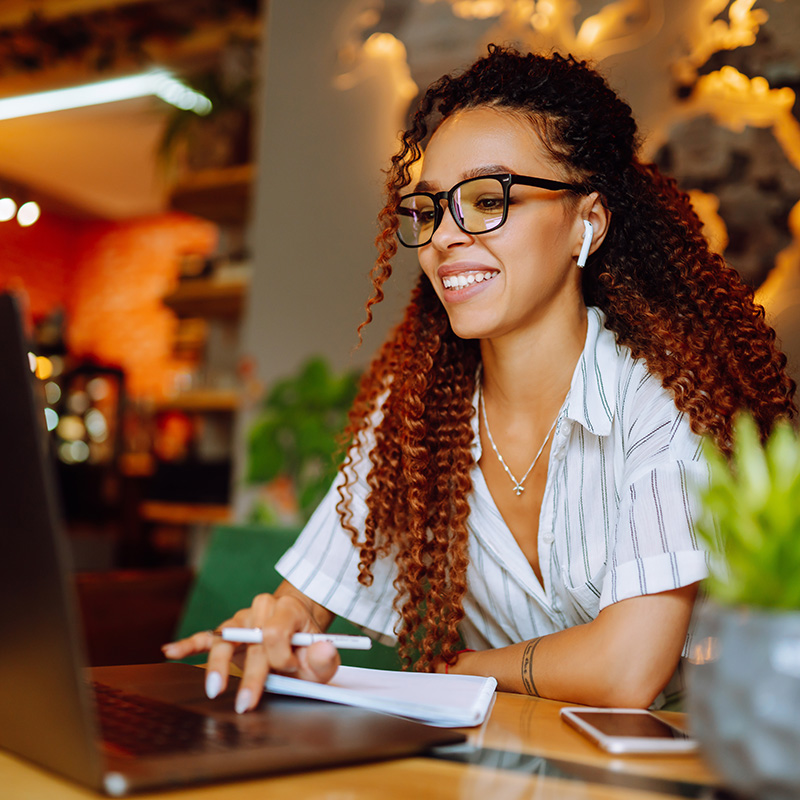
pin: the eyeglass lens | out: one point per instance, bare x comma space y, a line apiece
477, 205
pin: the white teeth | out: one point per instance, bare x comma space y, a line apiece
460, 281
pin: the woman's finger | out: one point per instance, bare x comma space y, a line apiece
218, 667
196, 643
254, 675
318, 662
277, 622
277, 619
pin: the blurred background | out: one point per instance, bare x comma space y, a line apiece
191, 240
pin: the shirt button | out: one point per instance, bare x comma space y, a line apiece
548, 538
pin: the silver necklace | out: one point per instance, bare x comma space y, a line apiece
518, 487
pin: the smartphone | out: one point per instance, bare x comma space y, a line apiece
628, 730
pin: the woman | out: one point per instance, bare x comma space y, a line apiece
523, 448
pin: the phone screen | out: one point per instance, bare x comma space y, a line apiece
631, 725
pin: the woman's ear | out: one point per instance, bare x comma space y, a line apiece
591, 226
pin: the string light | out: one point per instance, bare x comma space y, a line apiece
8, 209
28, 213
51, 419
44, 368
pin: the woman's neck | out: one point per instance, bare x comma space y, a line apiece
533, 368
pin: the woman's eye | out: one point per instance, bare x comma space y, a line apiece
488, 204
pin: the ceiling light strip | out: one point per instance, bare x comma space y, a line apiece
157, 82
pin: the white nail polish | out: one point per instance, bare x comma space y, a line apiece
213, 684
243, 700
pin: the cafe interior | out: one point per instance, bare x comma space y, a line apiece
161, 223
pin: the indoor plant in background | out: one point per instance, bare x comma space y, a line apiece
294, 442
744, 685
221, 137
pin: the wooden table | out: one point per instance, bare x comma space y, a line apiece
517, 726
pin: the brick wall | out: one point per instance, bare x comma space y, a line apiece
109, 278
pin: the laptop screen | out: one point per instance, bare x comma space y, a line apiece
44, 712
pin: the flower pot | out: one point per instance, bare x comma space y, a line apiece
744, 698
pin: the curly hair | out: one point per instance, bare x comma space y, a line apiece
665, 295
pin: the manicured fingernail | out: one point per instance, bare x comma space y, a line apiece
168, 650
243, 700
213, 684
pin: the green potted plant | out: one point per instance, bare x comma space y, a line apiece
221, 137
744, 683
294, 442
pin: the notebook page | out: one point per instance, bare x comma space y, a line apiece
448, 701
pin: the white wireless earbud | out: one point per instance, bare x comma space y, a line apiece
587, 243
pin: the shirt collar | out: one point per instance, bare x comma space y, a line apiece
590, 401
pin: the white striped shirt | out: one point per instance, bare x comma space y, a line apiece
616, 520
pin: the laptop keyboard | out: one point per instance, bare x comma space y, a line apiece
141, 726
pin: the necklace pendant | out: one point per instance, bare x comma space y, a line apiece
518, 487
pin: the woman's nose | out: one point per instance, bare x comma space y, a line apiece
449, 233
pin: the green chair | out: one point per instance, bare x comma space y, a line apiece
239, 563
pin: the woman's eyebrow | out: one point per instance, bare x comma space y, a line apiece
489, 169
475, 172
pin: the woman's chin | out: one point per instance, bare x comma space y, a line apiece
470, 330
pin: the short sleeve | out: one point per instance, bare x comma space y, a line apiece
655, 545
323, 564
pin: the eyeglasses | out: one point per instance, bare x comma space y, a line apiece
478, 205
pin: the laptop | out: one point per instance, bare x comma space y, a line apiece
49, 699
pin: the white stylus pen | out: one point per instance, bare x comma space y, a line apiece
340, 641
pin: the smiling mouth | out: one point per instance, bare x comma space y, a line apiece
467, 279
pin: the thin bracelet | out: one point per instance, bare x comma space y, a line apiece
458, 653
527, 665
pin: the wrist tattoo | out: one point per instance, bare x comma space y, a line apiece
527, 667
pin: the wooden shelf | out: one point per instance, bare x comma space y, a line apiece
184, 513
207, 298
226, 400
137, 465
221, 195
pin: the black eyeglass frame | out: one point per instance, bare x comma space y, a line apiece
506, 180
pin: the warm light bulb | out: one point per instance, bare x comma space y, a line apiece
51, 419
79, 451
8, 209
52, 391
28, 213
44, 368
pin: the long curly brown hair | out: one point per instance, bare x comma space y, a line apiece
665, 295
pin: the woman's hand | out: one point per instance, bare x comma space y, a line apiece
279, 616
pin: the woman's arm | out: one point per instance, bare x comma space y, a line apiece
624, 657
279, 615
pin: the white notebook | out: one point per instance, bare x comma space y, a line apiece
446, 701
